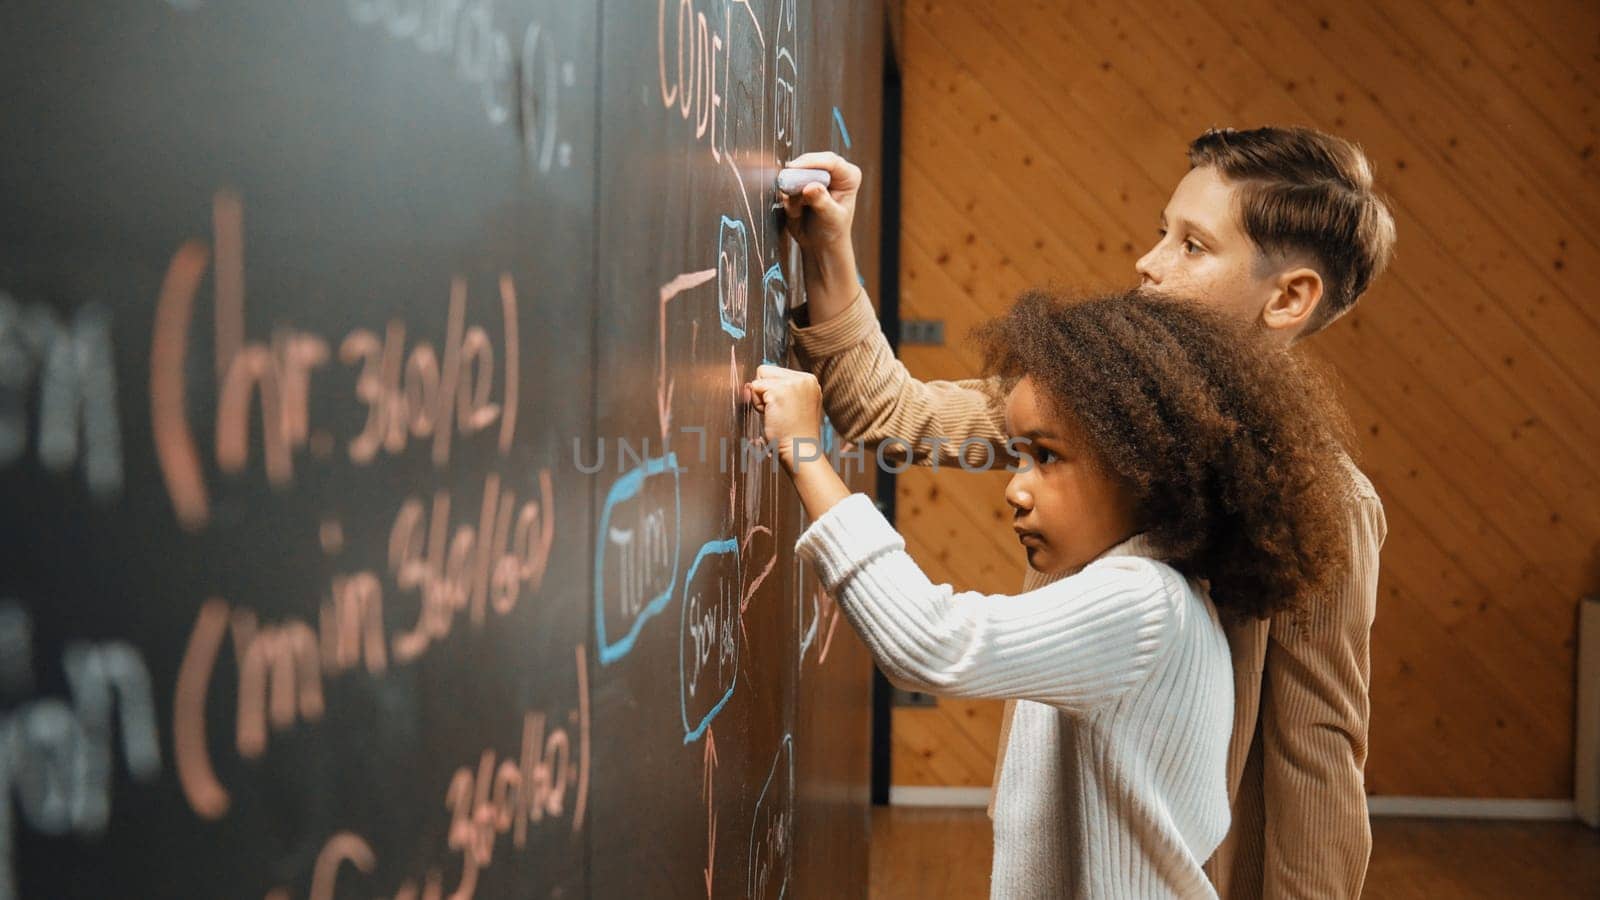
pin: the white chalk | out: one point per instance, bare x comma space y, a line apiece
793, 181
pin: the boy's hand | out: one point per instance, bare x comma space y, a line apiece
790, 404
819, 218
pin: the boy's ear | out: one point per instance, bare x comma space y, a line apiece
1294, 301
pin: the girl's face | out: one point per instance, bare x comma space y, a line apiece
1066, 510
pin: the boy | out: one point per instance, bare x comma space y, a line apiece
1278, 226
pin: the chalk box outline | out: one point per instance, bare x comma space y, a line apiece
717, 547
626, 487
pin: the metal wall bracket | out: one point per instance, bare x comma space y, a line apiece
914, 698
929, 332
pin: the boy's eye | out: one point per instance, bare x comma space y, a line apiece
1043, 456
1190, 246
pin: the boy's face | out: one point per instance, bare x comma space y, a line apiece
1204, 253
1065, 510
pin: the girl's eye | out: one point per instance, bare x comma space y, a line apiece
1190, 246
1043, 456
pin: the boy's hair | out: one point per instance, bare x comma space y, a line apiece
1232, 453
1304, 191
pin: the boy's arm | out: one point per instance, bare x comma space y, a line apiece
871, 398
1315, 713
868, 394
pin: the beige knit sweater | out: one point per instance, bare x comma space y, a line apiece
1299, 737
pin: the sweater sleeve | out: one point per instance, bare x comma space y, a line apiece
1076, 643
1315, 710
871, 398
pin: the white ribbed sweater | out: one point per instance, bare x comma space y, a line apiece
1115, 779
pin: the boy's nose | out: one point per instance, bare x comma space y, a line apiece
1146, 268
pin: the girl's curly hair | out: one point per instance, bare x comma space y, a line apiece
1233, 450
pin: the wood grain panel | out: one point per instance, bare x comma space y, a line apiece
1041, 140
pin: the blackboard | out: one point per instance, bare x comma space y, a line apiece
365, 373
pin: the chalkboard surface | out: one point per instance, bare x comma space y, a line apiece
376, 520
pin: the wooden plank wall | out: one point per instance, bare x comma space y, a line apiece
1041, 142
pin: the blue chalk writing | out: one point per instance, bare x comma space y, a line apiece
774, 327
838, 121
713, 631
626, 488
733, 271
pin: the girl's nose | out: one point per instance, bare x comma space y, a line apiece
1017, 494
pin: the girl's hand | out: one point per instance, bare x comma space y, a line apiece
790, 404
818, 217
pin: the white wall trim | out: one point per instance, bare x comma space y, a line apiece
1425, 807
1470, 808
921, 795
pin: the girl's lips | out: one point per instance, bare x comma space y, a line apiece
1029, 538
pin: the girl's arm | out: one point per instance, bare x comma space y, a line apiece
819, 486
1078, 643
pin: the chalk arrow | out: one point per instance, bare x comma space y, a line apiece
664, 385
711, 813
750, 592
833, 623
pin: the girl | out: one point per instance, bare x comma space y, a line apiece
1175, 469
